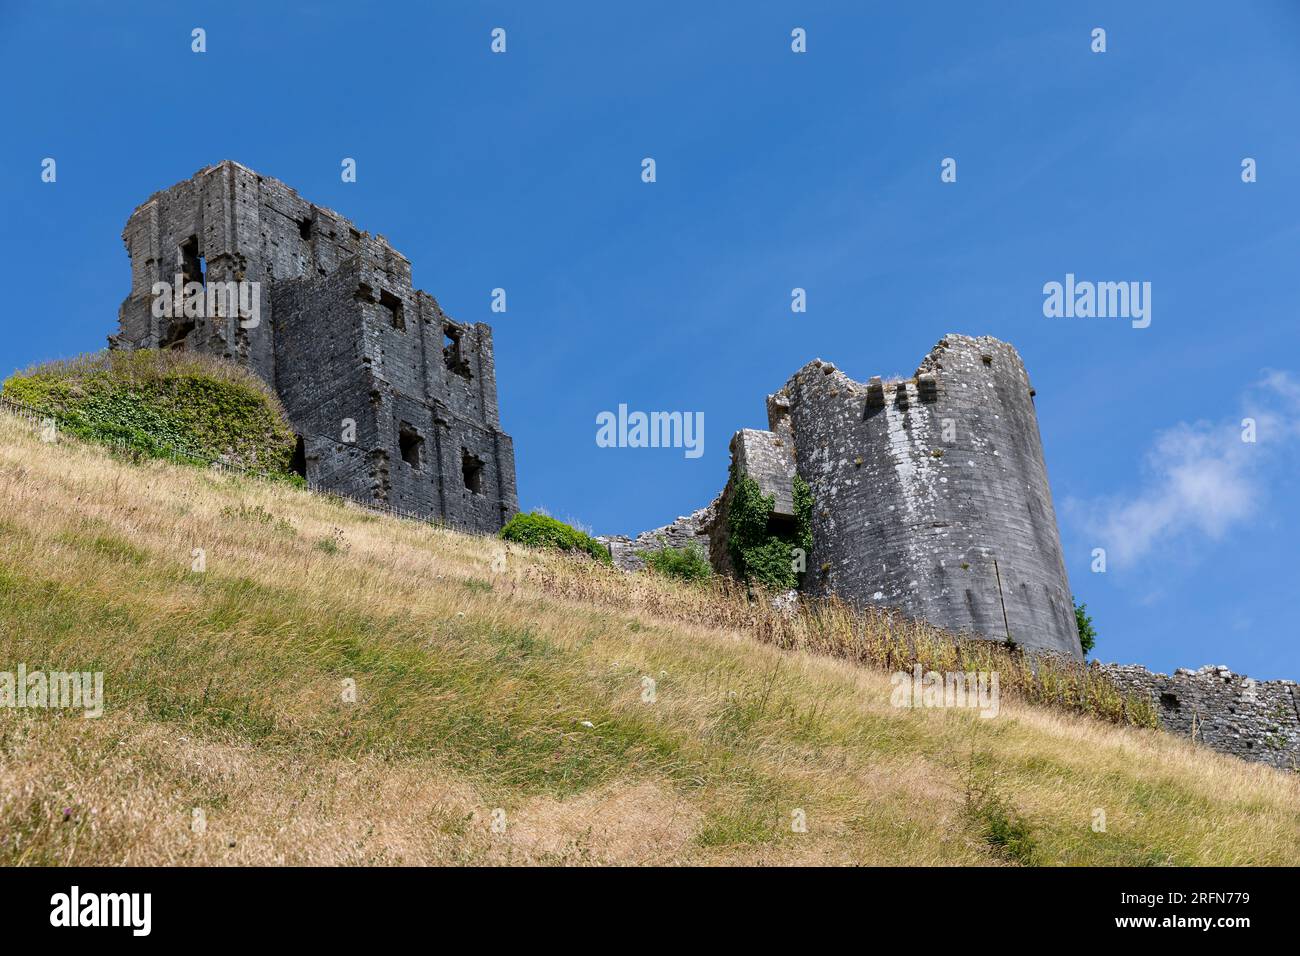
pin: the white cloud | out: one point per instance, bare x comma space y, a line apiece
1200, 479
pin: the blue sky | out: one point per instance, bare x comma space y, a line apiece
774, 170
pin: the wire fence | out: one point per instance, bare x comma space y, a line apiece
52, 424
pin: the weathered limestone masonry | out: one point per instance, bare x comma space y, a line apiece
931, 494
687, 531
1231, 713
758, 454
342, 336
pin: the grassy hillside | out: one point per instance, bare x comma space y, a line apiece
516, 686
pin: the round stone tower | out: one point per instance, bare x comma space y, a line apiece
931, 494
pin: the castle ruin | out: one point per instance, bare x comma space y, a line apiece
392, 401
930, 494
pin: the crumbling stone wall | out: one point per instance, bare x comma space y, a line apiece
1231, 713
342, 338
930, 495
762, 456
692, 530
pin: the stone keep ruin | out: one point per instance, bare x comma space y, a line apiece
930, 495
393, 402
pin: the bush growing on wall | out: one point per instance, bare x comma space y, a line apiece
764, 554
688, 563
1087, 633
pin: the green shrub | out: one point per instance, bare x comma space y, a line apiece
539, 530
156, 403
761, 554
1087, 633
336, 543
688, 563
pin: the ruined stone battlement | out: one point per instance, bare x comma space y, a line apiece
392, 400
930, 494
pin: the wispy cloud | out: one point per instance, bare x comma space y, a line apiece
1200, 479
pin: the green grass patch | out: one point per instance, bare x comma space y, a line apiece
741, 826
1005, 831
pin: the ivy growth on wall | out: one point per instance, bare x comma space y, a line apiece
767, 552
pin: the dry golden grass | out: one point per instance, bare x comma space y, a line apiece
486, 695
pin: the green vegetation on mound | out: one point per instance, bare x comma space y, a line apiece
539, 530
160, 404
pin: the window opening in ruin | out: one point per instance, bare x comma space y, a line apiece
1169, 702
409, 442
779, 524
298, 464
394, 306
452, 356
192, 264
471, 467
177, 331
